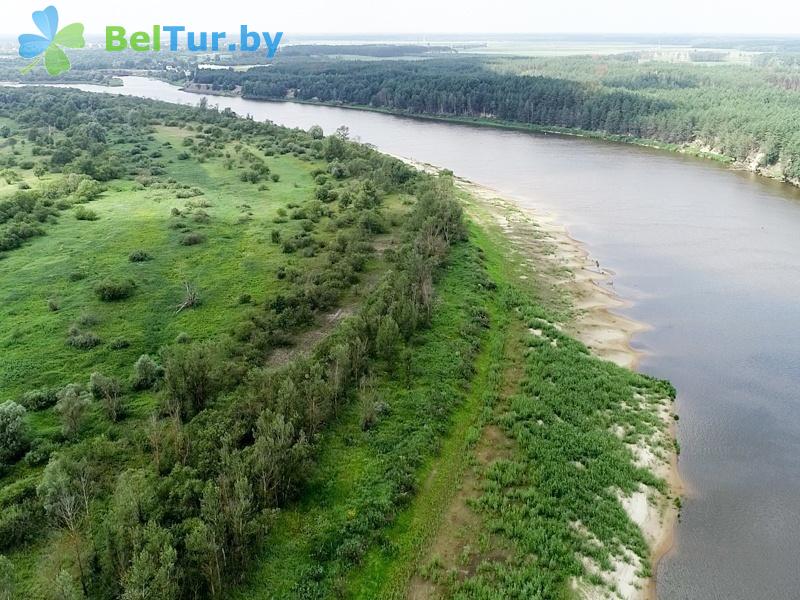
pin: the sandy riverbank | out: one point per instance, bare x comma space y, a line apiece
543, 248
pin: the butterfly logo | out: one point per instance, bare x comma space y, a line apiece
48, 45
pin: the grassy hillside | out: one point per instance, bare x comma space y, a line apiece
245, 361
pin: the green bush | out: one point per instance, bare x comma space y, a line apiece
111, 290
139, 256
119, 343
18, 524
13, 431
82, 340
40, 452
39, 399
85, 214
87, 320
192, 239
146, 373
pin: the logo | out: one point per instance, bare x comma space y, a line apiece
196, 41
48, 45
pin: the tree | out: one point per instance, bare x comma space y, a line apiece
14, 437
205, 552
228, 507
64, 587
132, 505
192, 377
315, 131
277, 457
107, 390
387, 339
65, 494
339, 371
152, 574
146, 372
73, 404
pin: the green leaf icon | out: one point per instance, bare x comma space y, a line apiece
71, 36
48, 46
55, 60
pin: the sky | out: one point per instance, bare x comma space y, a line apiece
780, 17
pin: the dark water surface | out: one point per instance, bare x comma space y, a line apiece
710, 259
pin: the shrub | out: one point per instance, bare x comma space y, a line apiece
85, 214
146, 372
88, 190
77, 275
13, 431
119, 344
201, 216
18, 523
183, 338
139, 256
39, 399
245, 298
192, 239
53, 305
87, 320
82, 340
111, 290
40, 452
368, 413
275, 236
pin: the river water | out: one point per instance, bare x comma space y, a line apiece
710, 259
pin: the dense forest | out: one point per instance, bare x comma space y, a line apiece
745, 113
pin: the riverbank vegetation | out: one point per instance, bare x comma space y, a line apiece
246, 361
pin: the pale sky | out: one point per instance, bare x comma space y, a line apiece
421, 16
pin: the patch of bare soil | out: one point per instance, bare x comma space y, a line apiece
462, 542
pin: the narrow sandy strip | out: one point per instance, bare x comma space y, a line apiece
608, 335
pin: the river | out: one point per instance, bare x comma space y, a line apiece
710, 259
